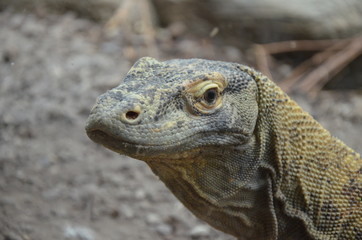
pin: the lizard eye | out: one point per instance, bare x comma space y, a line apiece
204, 95
210, 95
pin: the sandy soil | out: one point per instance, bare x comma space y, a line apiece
57, 184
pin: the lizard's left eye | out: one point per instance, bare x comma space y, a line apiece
204, 95
211, 95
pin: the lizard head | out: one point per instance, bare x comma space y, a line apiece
193, 122
176, 109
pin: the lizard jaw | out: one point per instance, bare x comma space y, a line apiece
187, 149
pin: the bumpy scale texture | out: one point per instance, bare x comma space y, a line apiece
234, 149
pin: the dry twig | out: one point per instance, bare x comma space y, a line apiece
312, 74
333, 65
300, 71
135, 16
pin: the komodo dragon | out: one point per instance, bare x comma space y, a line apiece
234, 149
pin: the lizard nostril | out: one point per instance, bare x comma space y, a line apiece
132, 115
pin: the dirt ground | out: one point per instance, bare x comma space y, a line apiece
57, 184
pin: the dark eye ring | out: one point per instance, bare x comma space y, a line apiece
211, 95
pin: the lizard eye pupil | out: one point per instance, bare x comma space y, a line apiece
210, 96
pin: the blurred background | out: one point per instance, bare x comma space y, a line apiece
57, 56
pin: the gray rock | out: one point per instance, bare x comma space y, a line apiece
153, 219
164, 229
200, 231
78, 233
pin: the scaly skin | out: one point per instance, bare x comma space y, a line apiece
234, 149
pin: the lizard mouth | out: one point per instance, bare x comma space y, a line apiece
143, 152
188, 148
112, 142
103, 138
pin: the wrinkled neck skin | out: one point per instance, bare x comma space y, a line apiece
226, 188
233, 187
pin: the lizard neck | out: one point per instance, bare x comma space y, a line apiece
225, 188
277, 129
309, 169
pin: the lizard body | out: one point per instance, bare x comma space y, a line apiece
234, 149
